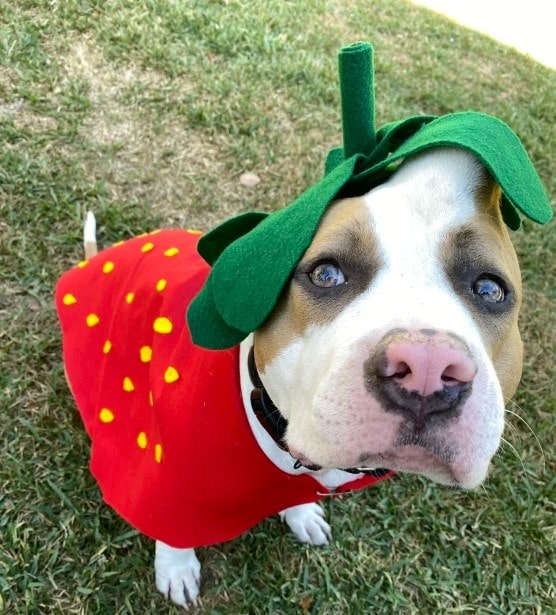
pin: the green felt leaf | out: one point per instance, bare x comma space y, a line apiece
495, 144
214, 242
208, 329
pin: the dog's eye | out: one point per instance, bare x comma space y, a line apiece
489, 290
327, 275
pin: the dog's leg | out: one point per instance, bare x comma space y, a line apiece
178, 574
307, 523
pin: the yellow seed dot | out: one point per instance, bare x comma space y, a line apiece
129, 297
161, 285
108, 267
147, 247
194, 231
145, 354
158, 452
92, 320
162, 325
82, 264
171, 252
106, 415
69, 299
128, 385
142, 440
171, 375
151, 399
107, 347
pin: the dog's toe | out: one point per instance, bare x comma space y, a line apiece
178, 574
308, 524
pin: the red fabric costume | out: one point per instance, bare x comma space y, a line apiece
172, 449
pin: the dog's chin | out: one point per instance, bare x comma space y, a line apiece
414, 459
446, 470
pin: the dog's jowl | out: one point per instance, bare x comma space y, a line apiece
384, 338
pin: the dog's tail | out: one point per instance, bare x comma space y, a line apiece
90, 235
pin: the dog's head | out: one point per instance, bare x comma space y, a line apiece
396, 343
385, 324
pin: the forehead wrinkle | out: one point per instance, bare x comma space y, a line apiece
424, 200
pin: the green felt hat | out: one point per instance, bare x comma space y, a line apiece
254, 254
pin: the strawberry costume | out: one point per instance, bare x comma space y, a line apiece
172, 449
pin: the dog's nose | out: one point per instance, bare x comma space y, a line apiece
421, 372
427, 362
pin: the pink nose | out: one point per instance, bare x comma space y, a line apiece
427, 361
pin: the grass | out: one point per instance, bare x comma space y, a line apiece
148, 113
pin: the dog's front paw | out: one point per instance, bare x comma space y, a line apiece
307, 522
178, 574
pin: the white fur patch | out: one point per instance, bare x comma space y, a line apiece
308, 524
328, 478
177, 573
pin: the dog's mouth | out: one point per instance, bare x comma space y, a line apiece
411, 458
302, 461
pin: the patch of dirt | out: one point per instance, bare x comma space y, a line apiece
158, 160
106, 81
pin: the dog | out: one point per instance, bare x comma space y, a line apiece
393, 348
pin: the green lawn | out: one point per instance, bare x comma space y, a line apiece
148, 112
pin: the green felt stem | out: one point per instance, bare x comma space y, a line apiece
357, 96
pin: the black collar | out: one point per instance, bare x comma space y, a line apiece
275, 424
268, 414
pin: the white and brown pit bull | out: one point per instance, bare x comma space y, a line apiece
395, 344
